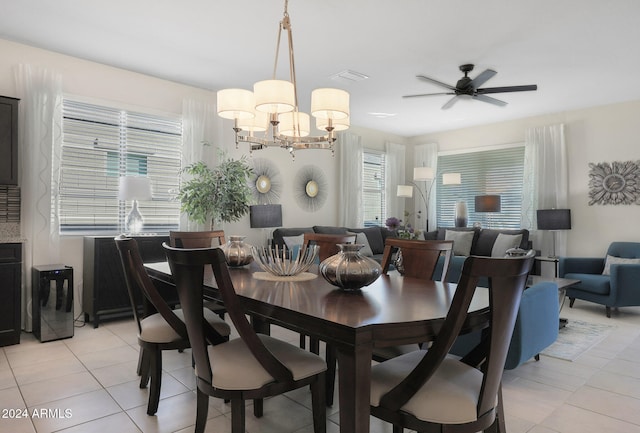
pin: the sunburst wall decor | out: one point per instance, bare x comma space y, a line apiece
310, 188
265, 183
614, 183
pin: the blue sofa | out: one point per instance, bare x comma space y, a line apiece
619, 287
536, 326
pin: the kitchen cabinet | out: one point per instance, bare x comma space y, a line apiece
10, 293
8, 140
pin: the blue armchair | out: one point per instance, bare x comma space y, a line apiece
620, 288
535, 329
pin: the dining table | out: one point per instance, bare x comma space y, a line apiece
393, 310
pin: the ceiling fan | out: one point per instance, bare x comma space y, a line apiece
470, 88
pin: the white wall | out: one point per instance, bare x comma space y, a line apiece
600, 134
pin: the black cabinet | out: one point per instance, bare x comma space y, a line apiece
105, 292
10, 298
8, 140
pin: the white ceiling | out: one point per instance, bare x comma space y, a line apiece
580, 53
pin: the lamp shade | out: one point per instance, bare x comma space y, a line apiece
274, 96
294, 124
405, 191
487, 203
265, 215
554, 219
328, 103
337, 124
235, 104
259, 123
422, 173
451, 179
134, 188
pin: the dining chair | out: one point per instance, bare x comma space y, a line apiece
432, 391
200, 239
253, 366
328, 244
419, 258
161, 330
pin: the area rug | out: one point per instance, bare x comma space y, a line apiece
576, 338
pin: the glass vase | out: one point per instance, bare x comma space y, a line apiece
237, 252
349, 269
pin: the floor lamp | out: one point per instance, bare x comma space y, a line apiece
554, 220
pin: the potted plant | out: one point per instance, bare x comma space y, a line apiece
218, 194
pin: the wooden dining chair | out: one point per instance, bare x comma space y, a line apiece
253, 366
161, 330
419, 258
328, 244
432, 391
200, 239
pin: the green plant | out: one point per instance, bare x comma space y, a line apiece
218, 194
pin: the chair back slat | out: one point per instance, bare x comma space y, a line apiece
188, 269
137, 279
419, 258
328, 244
508, 278
201, 239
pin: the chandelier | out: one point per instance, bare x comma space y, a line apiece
272, 109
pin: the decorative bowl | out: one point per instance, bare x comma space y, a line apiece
283, 262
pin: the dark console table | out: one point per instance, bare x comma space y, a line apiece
105, 291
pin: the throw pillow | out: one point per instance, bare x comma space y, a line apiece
292, 241
461, 241
361, 238
617, 260
503, 243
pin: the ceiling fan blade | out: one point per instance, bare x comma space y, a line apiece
483, 78
428, 94
436, 82
507, 89
450, 102
490, 100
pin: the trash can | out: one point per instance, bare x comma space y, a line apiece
52, 302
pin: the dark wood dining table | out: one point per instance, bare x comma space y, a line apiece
392, 310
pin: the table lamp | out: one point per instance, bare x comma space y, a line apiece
262, 216
486, 204
134, 188
554, 220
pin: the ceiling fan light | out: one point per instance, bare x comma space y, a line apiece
328, 103
274, 96
294, 124
259, 123
337, 124
235, 103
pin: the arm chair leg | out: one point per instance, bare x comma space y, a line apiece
330, 375
571, 301
144, 366
155, 371
258, 407
537, 357
202, 408
318, 407
608, 309
237, 415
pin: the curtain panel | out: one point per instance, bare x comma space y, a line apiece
349, 151
394, 176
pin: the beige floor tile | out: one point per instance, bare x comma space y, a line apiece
617, 383
54, 352
532, 401
129, 395
75, 410
7, 379
186, 376
116, 374
88, 345
607, 403
34, 372
117, 423
571, 419
45, 391
281, 415
107, 357
173, 360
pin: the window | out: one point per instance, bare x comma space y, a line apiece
497, 171
99, 145
373, 188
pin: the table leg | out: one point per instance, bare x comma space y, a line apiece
354, 388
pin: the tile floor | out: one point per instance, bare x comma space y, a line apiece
88, 384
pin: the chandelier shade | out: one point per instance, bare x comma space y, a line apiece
336, 124
328, 103
274, 96
235, 104
294, 124
258, 123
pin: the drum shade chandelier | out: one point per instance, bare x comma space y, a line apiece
272, 108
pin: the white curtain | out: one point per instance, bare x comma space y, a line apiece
200, 137
350, 154
394, 176
426, 155
546, 184
40, 144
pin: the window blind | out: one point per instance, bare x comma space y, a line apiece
497, 171
373, 191
99, 145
